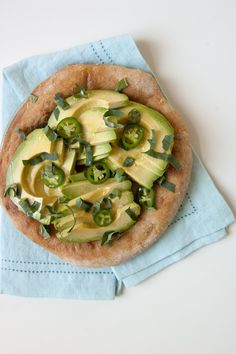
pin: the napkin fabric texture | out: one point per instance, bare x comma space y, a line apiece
28, 270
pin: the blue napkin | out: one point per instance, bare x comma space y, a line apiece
29, 270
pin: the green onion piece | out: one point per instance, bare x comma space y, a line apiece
20, 133
50, 133
27, 208
14, 190
35, 206
161, 180
115, 193
166, 157
88, 151
33, 98
168, 185
40, 157
121, 85
120, 175
110, 120
131, 214
134, 116
61, 102
129, 161
44, 231
56, 113
109, 237
167, 141
106, 203
152, 141
53, 212
82, 92
82, 204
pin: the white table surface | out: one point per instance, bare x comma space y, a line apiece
189, 307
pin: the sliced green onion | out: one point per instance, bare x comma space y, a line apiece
115, 193
33, 98
50, 133
61, 102
131, 214
44, 231
20, 133
82, 92
27, 208
152, 141
129, 161
167, 141
14, 190
56, 113
166, 157
82, 204
41, 157
121, 85
109, 237
120, 175
134, 116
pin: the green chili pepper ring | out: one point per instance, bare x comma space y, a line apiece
69, 128
97, 173
132, 136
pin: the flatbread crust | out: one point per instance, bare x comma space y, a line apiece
142, 88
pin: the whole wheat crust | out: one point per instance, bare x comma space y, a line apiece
143, 88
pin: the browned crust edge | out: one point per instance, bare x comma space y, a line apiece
142, 88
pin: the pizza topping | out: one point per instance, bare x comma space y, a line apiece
20, 133
33, 98
80, 172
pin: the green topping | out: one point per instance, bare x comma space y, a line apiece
61, 102
52, 175
53, 212
120, 175
131, 214
132, 136
167, 141
168, 185
56, 113
121, 85
152, 141
109, 237
166, 157
27, 208
14, 190
44, 231
20, 133
33, 98
129, 161
69, 128
97, 173
103, 217
146, 198
50, 133
82, 92
88, 151
110, 119
115, 193
41, 157
104, 203
82, 204
134, 116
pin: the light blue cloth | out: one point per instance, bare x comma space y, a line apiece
29, 270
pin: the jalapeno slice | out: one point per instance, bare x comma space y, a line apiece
132, 136
68, 128
146, 197
103, 217
53, 176
97, 173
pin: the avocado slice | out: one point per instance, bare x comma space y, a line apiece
97, 98
65, 222
101, 193
59, 148
154, 168
96, 158
76, 189
97, 150
87, 232
35, 143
